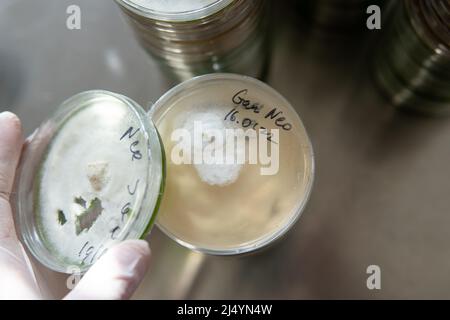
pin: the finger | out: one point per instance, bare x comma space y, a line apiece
11, 141
17, 277
116, 275
16, 274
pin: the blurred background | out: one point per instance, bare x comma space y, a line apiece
382, 187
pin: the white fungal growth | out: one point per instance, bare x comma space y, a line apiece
208, 125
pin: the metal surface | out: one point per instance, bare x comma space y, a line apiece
381, 193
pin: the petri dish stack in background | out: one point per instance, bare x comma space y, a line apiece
190, 38
413, 65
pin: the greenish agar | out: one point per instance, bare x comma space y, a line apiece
61, 217
81, 202
86, 220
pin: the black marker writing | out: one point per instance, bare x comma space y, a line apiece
246, 103
130, 133
132, 193
137, 155
113, 232
279, 120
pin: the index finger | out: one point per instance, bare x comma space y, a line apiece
11, 141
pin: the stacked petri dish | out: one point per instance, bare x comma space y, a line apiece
191, 38
413, 64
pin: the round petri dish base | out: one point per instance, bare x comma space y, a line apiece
229, 208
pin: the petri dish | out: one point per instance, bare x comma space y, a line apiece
412, 68
90, 176
239, 164
228, 208
175, 10
190, 38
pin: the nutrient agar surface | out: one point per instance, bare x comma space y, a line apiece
231, 207
91, 181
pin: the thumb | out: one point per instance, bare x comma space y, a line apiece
116, 275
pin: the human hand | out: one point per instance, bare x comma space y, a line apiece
116, 275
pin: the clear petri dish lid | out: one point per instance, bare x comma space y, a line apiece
239, 160
90, 176
175, 10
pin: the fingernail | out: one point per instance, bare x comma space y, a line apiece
7, 115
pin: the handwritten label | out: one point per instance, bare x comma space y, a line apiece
135, 152
89, 252
240, 100
131, 189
